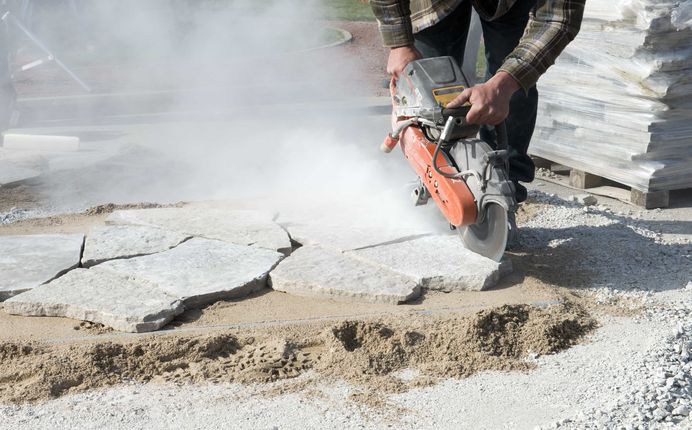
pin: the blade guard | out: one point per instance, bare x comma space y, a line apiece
452, 196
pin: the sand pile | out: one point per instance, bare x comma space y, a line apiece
365, 352
494, 339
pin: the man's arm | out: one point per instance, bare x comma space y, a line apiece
394, 21
551, 27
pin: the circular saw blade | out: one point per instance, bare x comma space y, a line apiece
488, 238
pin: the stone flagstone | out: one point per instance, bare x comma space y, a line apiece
29, 261
317, 271
101, 296
348, 236
201, 271
437, 262
113, 242
11, 172
242, 227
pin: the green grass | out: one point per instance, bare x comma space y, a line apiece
481, 64
347, 10
340, 10
329, 36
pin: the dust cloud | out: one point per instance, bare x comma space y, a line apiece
253, 113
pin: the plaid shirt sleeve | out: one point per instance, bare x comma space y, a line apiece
552, 25
394, 20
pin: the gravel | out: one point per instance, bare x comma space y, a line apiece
658, 393
16, 214
604, 249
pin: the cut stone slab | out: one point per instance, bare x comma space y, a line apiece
11, 172
318, 271
202, 271
29, 261
437, 262
242, 227
36, 142
101, 296
114, 242
347, 236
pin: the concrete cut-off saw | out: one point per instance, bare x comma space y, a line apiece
465, 177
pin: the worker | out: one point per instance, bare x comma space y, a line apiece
522, 39
7, 93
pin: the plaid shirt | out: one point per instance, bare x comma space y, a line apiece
552, 25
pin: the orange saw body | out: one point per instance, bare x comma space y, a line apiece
452, 196
465, 177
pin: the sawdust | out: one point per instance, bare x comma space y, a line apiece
365, 352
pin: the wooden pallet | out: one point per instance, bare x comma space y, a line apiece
594, 184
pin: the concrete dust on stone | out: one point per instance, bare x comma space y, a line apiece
29, 261
101, 296
202, 271
350, 235
436, 262
318, 271
116, 242
242, 227
10, 172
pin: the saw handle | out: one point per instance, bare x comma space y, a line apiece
500, 129
389, 143
459, 112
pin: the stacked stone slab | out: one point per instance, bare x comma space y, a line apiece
618, 101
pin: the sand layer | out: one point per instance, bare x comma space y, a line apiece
367, 352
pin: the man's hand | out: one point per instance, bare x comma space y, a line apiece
400, 57
489, 101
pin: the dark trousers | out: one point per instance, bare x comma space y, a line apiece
448, 37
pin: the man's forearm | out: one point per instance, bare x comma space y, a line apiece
554, 24
394, 20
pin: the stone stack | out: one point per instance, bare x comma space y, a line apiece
618, 102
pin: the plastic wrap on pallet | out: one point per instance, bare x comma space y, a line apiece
618, 102
681, 16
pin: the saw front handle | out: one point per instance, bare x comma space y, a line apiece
391, 140
389, 143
